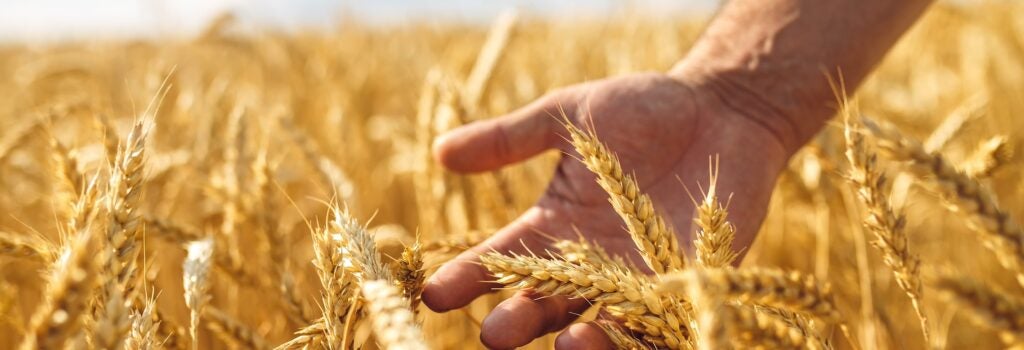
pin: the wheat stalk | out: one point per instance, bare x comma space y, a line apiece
657, 243
393, 322
197, 284
882, 220
1000, 232
623, 294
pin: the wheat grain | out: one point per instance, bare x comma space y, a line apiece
657, 243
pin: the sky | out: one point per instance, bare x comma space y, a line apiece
47, 20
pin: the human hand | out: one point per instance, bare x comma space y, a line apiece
663, 128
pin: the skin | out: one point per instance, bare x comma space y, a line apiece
752, 90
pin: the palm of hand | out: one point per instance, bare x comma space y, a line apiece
662, 129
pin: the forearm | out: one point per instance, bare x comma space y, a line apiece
771, 59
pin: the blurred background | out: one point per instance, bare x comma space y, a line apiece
51, 20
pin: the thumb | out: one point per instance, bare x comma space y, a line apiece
491, 144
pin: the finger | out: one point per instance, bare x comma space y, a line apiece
524, 317
583, 336
493, 143
463, 279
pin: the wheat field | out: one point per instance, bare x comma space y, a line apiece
263, 190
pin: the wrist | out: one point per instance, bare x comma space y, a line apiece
779, 99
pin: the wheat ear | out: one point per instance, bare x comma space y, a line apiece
410, 274
143, 334
583, 252
329, 170
714, 234
182, 235
747, 328
230, 330
393, 322
366, 259
785, 289
882, 220
622, 293
987, 306
306, 337
621, 339
1000, 232
657, 243
124, 223
197, 284
67, 296
22, 246
112, 324
336, 282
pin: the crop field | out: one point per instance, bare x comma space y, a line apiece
261, 190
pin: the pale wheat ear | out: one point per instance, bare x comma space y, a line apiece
196, 272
